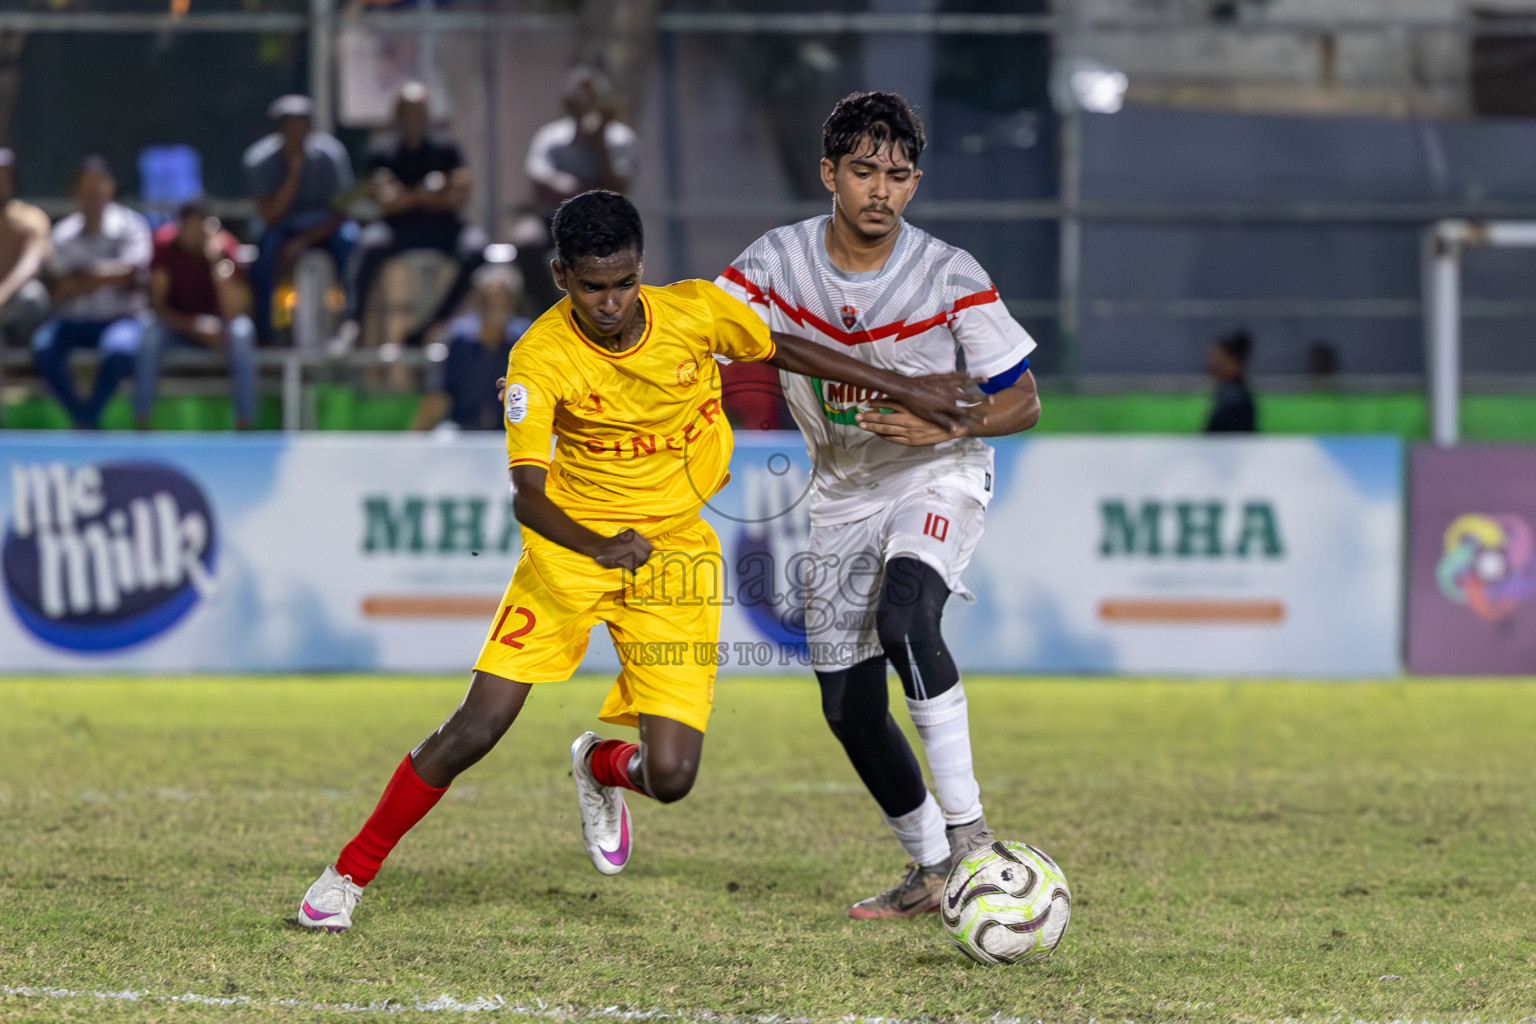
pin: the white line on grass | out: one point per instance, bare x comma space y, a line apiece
498, 1004
451, 1004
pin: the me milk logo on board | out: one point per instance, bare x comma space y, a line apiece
97, 558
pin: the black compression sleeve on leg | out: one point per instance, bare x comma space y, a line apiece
908, 617
857, 708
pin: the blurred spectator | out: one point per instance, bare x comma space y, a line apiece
97, 269
587, 148
1233, 410
463, 389
1323, 365
420, 183
297, 176
23, 250
199, 298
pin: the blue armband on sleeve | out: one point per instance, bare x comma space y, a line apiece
998, 381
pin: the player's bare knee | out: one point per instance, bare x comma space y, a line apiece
672, 788
669, 778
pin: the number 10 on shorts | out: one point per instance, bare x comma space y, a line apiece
935, 526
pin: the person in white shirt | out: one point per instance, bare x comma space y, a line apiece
97, 272
897, 504
589, 148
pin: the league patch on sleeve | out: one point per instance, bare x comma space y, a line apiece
517, 403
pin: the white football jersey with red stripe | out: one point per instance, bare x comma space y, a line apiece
930, 309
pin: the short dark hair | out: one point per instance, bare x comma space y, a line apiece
92, 164
1238, 345
197, 206
884, 117
596, 224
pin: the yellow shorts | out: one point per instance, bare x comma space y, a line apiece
664, 621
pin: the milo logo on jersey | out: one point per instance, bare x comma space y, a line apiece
841, 403
98, 558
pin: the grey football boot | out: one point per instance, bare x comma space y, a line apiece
918, 892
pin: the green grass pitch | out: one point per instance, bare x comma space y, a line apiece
1250, 851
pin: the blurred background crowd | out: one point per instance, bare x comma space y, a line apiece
333, 213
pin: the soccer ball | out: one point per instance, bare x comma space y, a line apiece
1006, 902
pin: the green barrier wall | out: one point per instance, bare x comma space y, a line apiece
1483, 417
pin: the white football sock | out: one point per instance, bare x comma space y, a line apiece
945, 729
922, 833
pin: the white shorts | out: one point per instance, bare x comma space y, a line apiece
841, 582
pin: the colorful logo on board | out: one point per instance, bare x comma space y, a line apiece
1488, 563
97, 558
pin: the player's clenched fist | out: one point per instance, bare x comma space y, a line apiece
624, 550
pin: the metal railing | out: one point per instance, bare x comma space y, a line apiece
292, 368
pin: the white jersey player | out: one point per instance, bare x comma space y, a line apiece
897, 504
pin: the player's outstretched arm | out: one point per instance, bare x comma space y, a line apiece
532, 507
936, 399
1015, 408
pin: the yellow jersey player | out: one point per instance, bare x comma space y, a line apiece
624, 377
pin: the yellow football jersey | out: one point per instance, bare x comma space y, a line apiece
640, 435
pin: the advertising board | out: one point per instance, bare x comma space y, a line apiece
1472, 561
390, 553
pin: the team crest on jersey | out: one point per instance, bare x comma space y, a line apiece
850, 317
687, 373
517, 403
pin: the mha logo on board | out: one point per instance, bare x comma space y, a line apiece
99, 558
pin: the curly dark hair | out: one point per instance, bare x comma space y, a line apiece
596, 224
883, 117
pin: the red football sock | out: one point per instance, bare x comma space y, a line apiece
406, 801
610, 763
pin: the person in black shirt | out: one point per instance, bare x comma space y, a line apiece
463, 386
1233, 410
421, 183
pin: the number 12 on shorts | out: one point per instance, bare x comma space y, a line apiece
935, 526
511, 639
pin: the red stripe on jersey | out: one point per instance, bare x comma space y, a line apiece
897, 331
977, 299
912, 330
754, 293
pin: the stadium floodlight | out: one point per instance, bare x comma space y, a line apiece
1082, 83
1443, 245
1100, 91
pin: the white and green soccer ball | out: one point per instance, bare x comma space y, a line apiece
1006, 902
